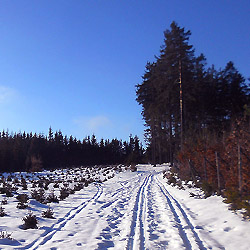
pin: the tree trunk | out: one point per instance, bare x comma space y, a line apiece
218, 171
239, 168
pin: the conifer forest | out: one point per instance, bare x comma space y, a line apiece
196, 116
34, 152
166, 193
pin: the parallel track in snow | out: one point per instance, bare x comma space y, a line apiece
155, 219
137, 231
190, 237
51, 231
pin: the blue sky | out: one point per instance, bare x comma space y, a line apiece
73, 65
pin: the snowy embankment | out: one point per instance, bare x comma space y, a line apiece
133, 210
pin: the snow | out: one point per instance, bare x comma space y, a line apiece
132, 210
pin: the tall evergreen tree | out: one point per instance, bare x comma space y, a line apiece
180, 97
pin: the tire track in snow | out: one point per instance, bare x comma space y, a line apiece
135, 233
116, 201
51, 231
181, 217
157, 227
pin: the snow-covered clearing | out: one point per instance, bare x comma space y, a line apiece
133, 210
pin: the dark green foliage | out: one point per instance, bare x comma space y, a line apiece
39, 195
21, 205
9, 193
133, 168
22, 198
172, 179
5, 235
30, 221
238, 201
64, 193
56, 185
48, 213
78, 187
208, 189
2, 212
9, 178
32, 152
182, 98
4, 201
52, 198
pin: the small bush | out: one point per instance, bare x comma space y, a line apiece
172, 179
5, 235
133, 168
30, 221
40, 184
2, 213
16, 181
64, 193
208, 189
4, 201
71, 191
238, 201
9, 178
78, 187
25, 187
9, 193
52, 198
65, 184
48, 213
23, 198
21, 205
39, 195
56, 185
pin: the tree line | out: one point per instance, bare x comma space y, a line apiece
198, 119
33, 152
183, 99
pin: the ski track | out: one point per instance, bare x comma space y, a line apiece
190, 237
137, 228
182, 221
50, 232
114, 200
154, 219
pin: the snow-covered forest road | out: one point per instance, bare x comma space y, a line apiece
139, 210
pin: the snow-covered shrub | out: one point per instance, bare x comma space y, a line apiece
78, 187
2, 212
208, 189
238, 201
64, 193
16, 181
30, 221
56, 185
133, 168
5, 235
39, 195
4, 201
21, 205
48, 213
52, 198
22, 198
172, 179
9, 193
9, 179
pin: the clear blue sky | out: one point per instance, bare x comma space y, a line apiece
73, 65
